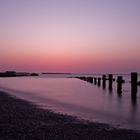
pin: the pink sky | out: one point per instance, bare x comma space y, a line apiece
81, 36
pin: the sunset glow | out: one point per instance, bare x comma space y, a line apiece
70, 35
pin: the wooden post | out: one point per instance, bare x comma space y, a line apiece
87, 79
120, 81
139, 83
84, 78
95, 81
104, 81
99, 81
91, 80
110, 81
81, 78
134, 84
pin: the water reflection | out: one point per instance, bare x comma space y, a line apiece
80, 98
133, 112
134, 102
119, 95
110, 91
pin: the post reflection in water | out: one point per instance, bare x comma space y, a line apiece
133, 111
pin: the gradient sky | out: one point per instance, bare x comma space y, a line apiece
70, 35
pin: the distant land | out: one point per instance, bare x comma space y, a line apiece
15, 74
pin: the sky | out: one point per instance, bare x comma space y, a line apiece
84, 36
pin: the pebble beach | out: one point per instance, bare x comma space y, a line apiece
22, 120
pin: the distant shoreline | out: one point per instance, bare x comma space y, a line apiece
16, 74
55, 73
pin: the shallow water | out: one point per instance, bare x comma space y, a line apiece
79, 98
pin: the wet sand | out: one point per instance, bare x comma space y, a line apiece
21, 120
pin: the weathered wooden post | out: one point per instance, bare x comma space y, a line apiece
139, 83
120, 81
81, 78
84, 78
99, 81
87, 79
110, 81
134, 84
91, 80
95, 81
104, 81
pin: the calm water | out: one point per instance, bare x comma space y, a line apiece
79, 98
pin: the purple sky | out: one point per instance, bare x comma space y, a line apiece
70, 35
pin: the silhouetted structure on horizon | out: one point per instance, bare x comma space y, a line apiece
16, 74
34, 74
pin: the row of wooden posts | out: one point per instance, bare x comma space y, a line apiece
97, 81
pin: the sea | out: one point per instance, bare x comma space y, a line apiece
63, 93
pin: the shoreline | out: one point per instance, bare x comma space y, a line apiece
20, 119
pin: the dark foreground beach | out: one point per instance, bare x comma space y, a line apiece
21, 120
